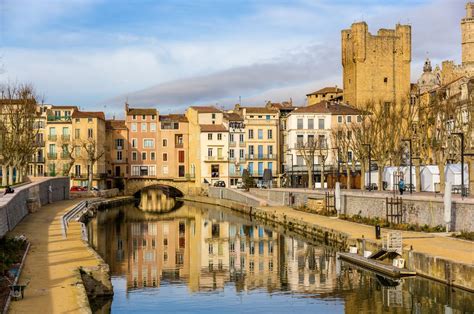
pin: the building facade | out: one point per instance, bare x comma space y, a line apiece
326, 93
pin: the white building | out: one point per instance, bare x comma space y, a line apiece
214, 140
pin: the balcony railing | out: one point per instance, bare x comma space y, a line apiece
52, 156
66, 138
65, 156
260, 156
215, 158
232, 144
178, 145
59, 118
39, 143
241, 144
52, 138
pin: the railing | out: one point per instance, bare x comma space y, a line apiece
39, 143
66, 137
65, 156
215, 158
241, 144
178, 145
260, 156
190, 176
52, 156
232, 144
59, 118
52, 138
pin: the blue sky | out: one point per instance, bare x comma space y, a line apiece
173, 53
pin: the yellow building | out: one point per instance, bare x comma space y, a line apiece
262, 139
326, 93
116, 153
376, 68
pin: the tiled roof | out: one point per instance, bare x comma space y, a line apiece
329, 107
232, 116
174, 117
259, 110
206, 109
326, 90
89, 114
213, 128
141, 111
115, 124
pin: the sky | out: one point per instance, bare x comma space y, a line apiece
170, 54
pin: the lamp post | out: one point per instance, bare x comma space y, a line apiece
411, 164
370, 166
461, 135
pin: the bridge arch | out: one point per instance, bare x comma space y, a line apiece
180, 188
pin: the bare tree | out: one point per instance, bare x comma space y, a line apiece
308, 150
93, 154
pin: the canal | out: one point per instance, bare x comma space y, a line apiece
210, 259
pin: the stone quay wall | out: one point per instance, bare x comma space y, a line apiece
29, 198
236, 196
416, 209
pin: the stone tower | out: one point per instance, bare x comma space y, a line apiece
467, 31
376, 68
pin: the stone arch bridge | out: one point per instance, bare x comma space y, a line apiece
186, 187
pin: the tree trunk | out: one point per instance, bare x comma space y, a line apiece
418, 177
10, 175
348, 181
442, 177
91, 171
322, 176
310, 178
362, 175
4, 175
380, 178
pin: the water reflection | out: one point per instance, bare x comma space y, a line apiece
236, 264
156, 200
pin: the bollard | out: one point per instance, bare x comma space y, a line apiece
377, 232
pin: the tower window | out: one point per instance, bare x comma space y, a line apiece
385, 79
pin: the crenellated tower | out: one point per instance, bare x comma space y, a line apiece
467, 33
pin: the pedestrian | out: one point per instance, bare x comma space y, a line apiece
9, 190
401, 186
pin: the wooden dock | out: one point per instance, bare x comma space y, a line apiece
376, 266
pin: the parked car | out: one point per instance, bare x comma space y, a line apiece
262, 185
78, 188
240, 185
220, 184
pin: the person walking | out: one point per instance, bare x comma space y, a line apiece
401, 186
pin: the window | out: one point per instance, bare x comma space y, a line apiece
119, 143
270, 134
299, 160
213, 115
181, 156
134, 127
349, 135
144, 156
134, 143
165, 169
77, 134
219, 136
299, 124
349, 156
310, 123
349, 119
90, 133
260, 134
310, 139
134, 117
151, 171
339, 119
153, 127
268, 117
231, 154
209, 136
250, 134
143, 127
119, 155
134, 156
77, 150
143, 117
321, 124
209, 152
299, 139
135, 170
153, 117
165, 142
181, 171
241, 138
148, 143
270, 150
385, 79
152, 156
251, 151
89, 120
165, 157
241, 154
359, 119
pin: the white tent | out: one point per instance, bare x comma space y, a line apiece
452, 174
392, 176
374, 177
429, 178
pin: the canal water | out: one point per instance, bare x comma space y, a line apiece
202, 259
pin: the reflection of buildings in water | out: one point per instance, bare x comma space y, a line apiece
158, 250
309, 268
155, 200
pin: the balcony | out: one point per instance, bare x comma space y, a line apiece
232, 144
52, 156
65, 138
65, 155
52, 138
261, 157
39, 159
241, 144
215, 158
78, 176
39, 143
59, 118
178, 145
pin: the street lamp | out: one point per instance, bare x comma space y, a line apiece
370, 166
291, 176
411, 164
461, 135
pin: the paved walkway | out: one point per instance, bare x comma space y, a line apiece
51, 261
429, 243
